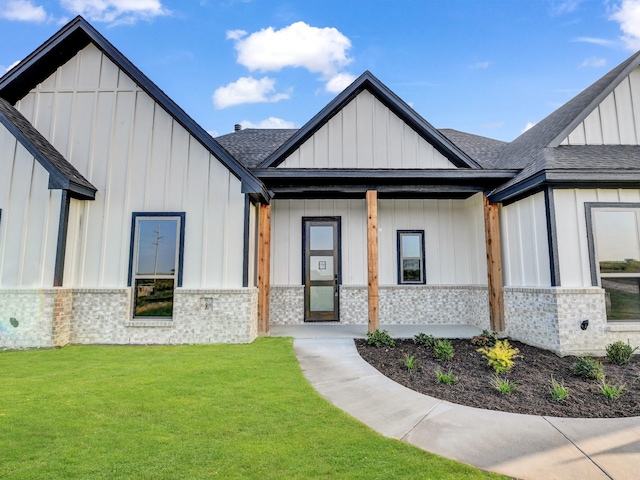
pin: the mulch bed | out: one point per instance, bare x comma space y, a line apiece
532, 372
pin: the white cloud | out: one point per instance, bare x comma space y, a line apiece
339, 82
271, 122
235, 34
247, 90
4, 69
22, 11
603, 42
116, 11
564, 6
319, 50
213, 133
627, 14
594, 62
528, 126
480, 65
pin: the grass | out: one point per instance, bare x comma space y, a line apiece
227, 411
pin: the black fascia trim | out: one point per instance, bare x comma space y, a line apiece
383, 173
588, 208
520, 189
134, 216
72, 38
552, 236
367, 81
390, 190
399, 234
61, 244
245, 242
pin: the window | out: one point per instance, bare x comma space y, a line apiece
616, 242
155, 269
411, 256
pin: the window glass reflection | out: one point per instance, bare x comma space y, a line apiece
157, 247
617, 241
321, 238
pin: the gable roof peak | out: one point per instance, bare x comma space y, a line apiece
368, 81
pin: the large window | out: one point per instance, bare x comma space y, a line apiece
617, 251
411, 256
156, 262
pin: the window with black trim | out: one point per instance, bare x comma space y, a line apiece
616, 245
155, 265
411, 257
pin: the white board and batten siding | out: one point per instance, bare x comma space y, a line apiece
366, 134
573, 247
616, 121
140, 160
454, 238
525, 244
29, 218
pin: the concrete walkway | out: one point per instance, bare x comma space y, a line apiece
521, 446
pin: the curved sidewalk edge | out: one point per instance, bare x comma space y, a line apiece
522, 446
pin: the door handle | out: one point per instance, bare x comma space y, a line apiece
335, 285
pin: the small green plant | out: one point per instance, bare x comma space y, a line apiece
612, 392
410, 362
588, 367
424, 340
619, 352
380, 338
443, 350
502, 384
558, 391
501, 356
485, 339
446, 378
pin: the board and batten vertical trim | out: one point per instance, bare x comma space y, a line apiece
372, 260
494, 265
61, 246
552, 236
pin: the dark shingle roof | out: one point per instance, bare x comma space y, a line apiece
485, 151
252, 146
62, 174
538, 149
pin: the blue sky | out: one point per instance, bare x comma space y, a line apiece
488, 67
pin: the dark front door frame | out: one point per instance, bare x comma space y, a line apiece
336, 280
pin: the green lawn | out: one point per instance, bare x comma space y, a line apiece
227, 411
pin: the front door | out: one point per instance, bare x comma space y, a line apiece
321, 268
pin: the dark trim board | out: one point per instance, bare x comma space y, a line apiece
134, 216
61, 244
245, 242
552, 237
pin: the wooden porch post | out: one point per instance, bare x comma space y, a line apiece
264, 269
372, 259
494, 265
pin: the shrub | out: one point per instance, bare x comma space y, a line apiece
588, 367
446, 378
619, 352
558, 391
503, 385
611, 391
501, 356
424, 340
410, 361
380, 338
485, 339
443, 350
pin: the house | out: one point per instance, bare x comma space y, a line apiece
119, 215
